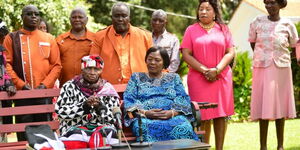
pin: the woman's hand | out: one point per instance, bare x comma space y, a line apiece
153, 113
160, 114
93, 101
211, 74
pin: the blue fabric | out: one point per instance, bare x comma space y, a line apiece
166, 93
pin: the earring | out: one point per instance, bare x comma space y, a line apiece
214, 18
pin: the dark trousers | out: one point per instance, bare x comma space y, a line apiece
33, 117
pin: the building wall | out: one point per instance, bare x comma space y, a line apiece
239, 25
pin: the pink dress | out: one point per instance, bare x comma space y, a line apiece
209, 48
272, 85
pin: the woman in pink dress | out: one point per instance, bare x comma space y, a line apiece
272, 86
207, 47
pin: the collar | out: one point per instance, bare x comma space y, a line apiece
162, 35
29, 32
88, 35
116, 34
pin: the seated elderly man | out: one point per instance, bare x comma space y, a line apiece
85, 106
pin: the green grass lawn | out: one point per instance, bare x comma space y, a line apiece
245, 136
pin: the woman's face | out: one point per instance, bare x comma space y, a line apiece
91, 74
272, 7
43, 26
206, 13
155, 63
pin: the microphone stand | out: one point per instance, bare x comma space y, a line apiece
104, 147
141, 143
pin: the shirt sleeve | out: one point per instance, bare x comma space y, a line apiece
97, 44
131, 98
182, 102
252, 31
187, 40
293, 35
68, 106
228, 37
175, 57
9, 60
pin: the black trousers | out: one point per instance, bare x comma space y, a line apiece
34, 117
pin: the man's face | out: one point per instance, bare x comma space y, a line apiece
158, 22
78, 20
30, 17
120, 19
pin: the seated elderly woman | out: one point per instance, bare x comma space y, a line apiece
85, 104
161, 98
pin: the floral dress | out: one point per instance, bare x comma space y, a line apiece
166, 93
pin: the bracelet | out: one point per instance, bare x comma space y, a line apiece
218, 70
145, 111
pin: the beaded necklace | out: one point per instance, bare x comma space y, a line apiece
208, 26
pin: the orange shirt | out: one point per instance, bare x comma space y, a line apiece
72, 49
40, 58
122, 56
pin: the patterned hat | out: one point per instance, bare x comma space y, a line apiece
92, 61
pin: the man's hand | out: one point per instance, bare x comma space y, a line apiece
41, 86
26, 87
11, 90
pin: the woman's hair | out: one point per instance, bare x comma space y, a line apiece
48, 27
282, 3
163, 53
3, 29
216, 7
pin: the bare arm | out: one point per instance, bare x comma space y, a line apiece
226, 60
188, 57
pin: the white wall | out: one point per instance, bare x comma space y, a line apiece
239, 25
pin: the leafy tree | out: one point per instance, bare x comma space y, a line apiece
55, 12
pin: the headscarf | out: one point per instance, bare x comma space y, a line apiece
92, 61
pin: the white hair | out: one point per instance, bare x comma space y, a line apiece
118, 4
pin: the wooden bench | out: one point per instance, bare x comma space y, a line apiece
35, 109
21, 110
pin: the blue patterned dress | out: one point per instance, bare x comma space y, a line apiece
166, 93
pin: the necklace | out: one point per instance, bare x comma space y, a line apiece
208, 26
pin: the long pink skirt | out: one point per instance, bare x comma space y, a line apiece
272, 93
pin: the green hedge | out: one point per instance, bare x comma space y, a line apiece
242, 81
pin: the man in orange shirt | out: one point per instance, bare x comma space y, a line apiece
73, 45
33, 61
122, 46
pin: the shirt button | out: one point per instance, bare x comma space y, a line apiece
119, 69
119, 80
24, 63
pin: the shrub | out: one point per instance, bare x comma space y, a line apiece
242, 81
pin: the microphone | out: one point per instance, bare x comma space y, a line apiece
132, 112
118, 114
